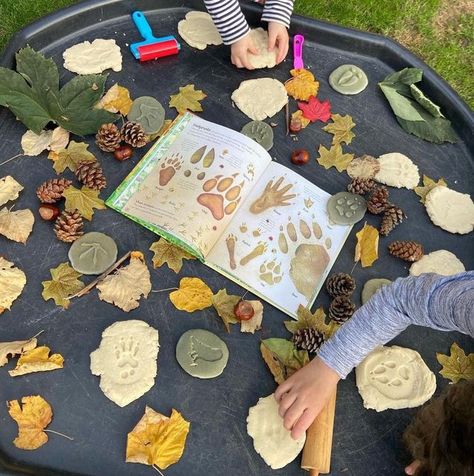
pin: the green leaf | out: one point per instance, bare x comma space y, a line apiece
424, 102
71, 156
402, 106
437, 130
405, 76
83, 200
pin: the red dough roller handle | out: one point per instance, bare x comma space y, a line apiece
158, 50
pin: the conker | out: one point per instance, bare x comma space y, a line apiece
300, 156
295, 126
48, 212
124, 152
243, 310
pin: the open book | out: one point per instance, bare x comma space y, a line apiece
218, 194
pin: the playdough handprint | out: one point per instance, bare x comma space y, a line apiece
272, 196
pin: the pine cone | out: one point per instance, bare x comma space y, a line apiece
132, 133
360, 186
341, 309
340, 284
308, 339
392, 216
52, 190
378, 200
91, 174
108, 137
68, 226
406, 250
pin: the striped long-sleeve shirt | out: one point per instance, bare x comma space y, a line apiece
231, 23
445, 303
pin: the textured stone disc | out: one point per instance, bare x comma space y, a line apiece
346, 208
372, 286
260, 132
348, 79
149, 113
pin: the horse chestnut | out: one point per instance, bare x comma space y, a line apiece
243, 310
124, 152
300, 156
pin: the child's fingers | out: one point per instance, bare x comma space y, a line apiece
253, 50
245, 61
303, 423
286, 401
293, 414
281, 390
272, 38
282, 50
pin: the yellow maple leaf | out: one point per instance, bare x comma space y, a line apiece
116, 99
224, 304
367, 247
166, 252
37, 360
309, 320
12, 282
70, 157
341, 128
83, 200
63, 284
428, 185
302, 85
334, 157
33, 416
457, 365
157, 440
187, 99
193, 295
14, 348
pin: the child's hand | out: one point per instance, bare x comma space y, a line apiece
239, 52
302, 397
278, 37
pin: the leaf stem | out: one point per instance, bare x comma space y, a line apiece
162, 290
157, 469
60, 434
10, 159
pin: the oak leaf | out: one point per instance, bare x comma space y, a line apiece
116, 99
83, 200
224, 304
125, 287
16, 226
367, 247
457, 365
166, 252
255, 322
187, 99
302, 85
65, 283
157, 440
315, 110
341, 128
193, 295
37, 360
32, 417
70, 157
334, 157
12, 282
309, 320
9, 189
14, 348
33, 144
428, 185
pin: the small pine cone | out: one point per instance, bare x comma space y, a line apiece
52, 190
360, 186
392, 216
308, 339
378, 200
340, 284
407, 250
341, 309
108, 137
132, 133
68, 226
91, 174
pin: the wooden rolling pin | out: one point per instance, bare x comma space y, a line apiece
318, 446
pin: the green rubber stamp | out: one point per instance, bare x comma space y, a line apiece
346, 208
348, 79
149, 113
260, 132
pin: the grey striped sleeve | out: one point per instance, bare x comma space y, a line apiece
445, 303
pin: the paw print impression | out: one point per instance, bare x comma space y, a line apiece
392, 379
270, 272
168, 169
126, 355
221, 195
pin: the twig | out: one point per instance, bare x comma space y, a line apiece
353, 267
163, 290
287, 118
94, 283
10, 159
157, 469
60, 434
245, 294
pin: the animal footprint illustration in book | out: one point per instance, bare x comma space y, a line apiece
255, 253
230, 243
169, 168
270, 272
221, 196
273, 196
304, 230
201, 155
125, 353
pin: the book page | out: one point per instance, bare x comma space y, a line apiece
280, 244
192, 181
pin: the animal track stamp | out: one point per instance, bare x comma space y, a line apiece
169, 168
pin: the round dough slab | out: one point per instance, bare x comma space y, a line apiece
271, 440
372, 286
260, 98
397, 170
149, 113
264, 58
450, 210
394, 377
93, 58
348, 79
198, 30
93, 253
202, 354
260, 132
346, 208
440, 262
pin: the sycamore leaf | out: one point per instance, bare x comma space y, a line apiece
297, 117
302, 85
187, 99
59, 139
282, 358
457, 365
32, 417
17, 225
224, 305
367, 248
334, 157
193, 295
33, 144
12, 282
315, 110
341, 128
116, 99
255, 322
9, 189
65, 283
428, 185
157, 440
125, 287
83, 200
316, 320
166, 252
37, 360
70, 157
14, 348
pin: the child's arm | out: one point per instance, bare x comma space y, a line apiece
440, 302
278, 15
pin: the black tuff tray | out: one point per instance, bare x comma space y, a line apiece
366, 443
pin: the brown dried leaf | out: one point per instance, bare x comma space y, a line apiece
116, 99
302, 85
70, 157
224, 304
9, 189
367, 248
166, 252
37, 360
17, 225
83, 200
65, 283
255, 323
316, 320
14, 348
12, 282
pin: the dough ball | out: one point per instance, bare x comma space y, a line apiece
440, 262
397, 170
264, 58
198, 30
93, 58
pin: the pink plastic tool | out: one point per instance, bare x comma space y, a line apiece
298, 41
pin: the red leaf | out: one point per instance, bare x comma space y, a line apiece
316, 110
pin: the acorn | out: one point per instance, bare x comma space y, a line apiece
124, 152
48, 211
300, 157
244, 310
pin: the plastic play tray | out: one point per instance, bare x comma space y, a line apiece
366, 443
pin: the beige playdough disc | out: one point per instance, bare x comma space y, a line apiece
93, 58
198, 30
450, 210
260, 98
394, 377
397, 170
265, 58
272, 441
440, 262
